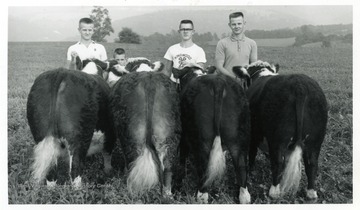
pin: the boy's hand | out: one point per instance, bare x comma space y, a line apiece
73, 56
121, 69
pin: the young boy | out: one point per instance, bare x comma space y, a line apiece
120, 57
237, 49
185, 53
86, 48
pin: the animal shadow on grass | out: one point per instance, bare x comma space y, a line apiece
94, 168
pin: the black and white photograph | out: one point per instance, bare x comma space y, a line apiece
163, 104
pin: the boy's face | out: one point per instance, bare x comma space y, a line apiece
86, 31
186, 31
121, 59
237, 25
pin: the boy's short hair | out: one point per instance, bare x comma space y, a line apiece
186, 22
235, 15
86, 20
119, 51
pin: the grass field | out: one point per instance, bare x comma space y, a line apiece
332, 68
285, 42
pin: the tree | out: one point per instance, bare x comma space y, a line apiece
216, 38
126, 35
102, 24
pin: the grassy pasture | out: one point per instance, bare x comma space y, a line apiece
332, 68
285, 42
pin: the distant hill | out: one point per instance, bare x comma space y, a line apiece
335, 29
211, 19
214, 21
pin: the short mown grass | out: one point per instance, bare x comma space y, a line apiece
332, 68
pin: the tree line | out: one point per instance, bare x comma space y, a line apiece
308, 34
303, 35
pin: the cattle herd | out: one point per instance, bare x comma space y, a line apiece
160, 125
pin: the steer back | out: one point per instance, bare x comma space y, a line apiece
146, 116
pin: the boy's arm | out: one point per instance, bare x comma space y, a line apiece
168, 67
71, 64
253, 54
220, 60
219, 66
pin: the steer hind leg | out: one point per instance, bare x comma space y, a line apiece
276, 163
169, 158
310, 157
109, 144
239, 158
255, 139
201, 159
183, 155
77, 155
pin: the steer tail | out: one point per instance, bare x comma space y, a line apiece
46, 153
292, 173
216, 165
146, 171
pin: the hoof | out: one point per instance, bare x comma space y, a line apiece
167, 192
50, 184
311, 194
244, 196
202, 197
168, 195
77, 183
274, 192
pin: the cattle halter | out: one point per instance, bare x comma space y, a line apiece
262, 70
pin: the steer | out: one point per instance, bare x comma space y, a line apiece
289, 112
215, 117
64, 107
146, 115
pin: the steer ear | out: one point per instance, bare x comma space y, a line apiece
211, 70
157, 66
179, 73
79, 63
112, 63
241, 72
277, 67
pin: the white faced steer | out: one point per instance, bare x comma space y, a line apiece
290, 112
215, 117
146, 116
64, 107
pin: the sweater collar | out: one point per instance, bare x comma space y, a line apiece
235, 39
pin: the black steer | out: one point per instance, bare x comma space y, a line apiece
64, 107
146, 116
289, 112
215, 117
